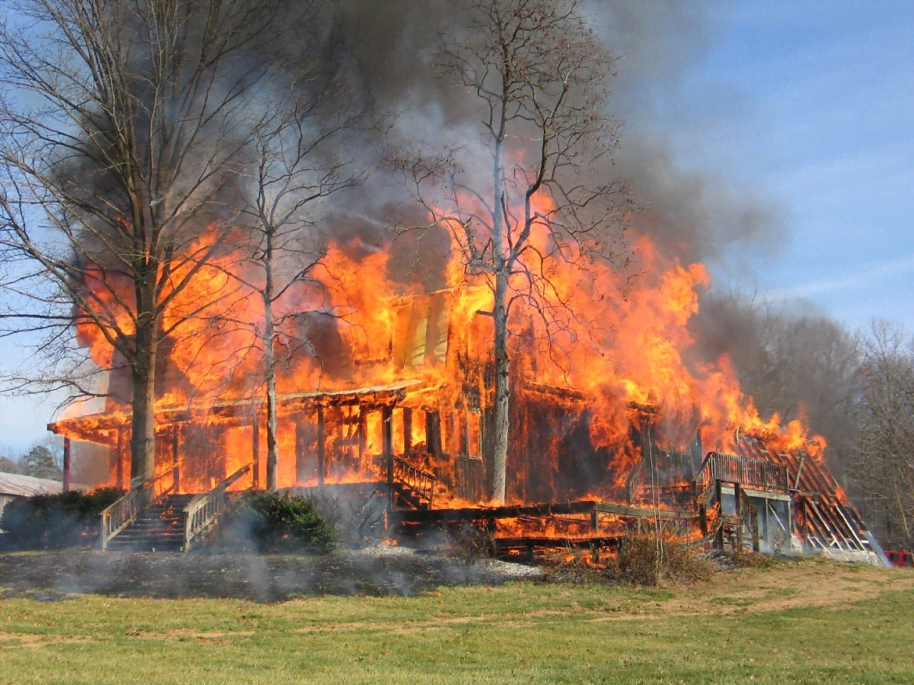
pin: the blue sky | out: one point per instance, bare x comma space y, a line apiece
810, 104
813, 105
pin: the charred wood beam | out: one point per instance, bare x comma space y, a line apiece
643, 512
387, 441
91, 428
97, 434
481, 513
407, 429
363, 431
557, 542
175, 446
555, 391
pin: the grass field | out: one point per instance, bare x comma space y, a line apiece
808, 622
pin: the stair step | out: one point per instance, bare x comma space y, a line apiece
160, 527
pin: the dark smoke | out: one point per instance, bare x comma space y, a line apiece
383, 54
690, 215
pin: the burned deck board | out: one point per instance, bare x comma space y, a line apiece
590, 507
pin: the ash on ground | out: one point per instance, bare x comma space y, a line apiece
377, 571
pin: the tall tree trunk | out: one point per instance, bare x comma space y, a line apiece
502, 390
500, 314
270, 362
143, 440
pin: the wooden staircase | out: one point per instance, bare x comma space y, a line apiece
160, 528
153, 518
412, 486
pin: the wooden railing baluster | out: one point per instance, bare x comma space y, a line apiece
123, 512
203, 511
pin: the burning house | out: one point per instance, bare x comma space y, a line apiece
396, 398
522, 358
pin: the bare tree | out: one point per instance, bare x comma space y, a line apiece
533, 187
884, 472
296, 168
124, 127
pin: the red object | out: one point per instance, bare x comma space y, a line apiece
900, 557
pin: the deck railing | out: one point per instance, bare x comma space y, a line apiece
635, 481
125, 511
418, 480
757, 473
204, 510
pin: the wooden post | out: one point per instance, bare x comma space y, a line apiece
432, 441
720, 508
407, 429
255, 450
321, 455
739, 517
363, 431
387, 440
113, 456
175, 445
120, 459
66, 464
299, 451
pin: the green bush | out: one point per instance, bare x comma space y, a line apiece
61, 520
273, 522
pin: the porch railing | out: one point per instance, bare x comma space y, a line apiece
758, 473
421, 482
125, 511
204, 510
634, 482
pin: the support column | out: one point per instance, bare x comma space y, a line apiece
321, 455
176, 462
363, 432
66, 464
387, 440
433, 433
113, 456
719, 539
255, 450
299, 451
119, 468
739, 515
407, 429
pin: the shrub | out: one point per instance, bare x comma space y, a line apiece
358, 518
470, 543
274, 522
61, 520
645, 560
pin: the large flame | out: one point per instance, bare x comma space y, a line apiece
618, 337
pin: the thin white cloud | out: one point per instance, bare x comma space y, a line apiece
857, 278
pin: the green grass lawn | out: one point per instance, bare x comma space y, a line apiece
520, 633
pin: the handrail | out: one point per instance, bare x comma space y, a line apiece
634, 481
204, 510
125, 510
730, 468
420, 481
